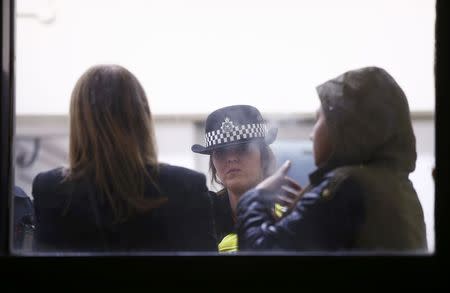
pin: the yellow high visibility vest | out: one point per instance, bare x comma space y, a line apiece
230, 242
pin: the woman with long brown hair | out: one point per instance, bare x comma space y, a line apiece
115, 195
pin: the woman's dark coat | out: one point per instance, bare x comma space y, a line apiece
71, 218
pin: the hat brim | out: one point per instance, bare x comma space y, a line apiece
270, 138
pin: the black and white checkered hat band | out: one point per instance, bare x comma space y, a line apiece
240, 132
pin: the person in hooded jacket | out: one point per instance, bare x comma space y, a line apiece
359, 197
115, 195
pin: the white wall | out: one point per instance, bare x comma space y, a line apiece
194, 56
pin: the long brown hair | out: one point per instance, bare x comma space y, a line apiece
112, 139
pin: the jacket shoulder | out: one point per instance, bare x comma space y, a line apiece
19, 192
182, 183
221, 203
46, 184
219, 197
341, 179
177, 172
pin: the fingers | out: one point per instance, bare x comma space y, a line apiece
285, 201
289, 192
274, 182
288, 196
292, 183
282, 171
284, 168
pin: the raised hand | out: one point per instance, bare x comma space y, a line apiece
286, 190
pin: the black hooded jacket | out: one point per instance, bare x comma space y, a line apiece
361, 199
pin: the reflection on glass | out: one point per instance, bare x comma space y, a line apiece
191, 59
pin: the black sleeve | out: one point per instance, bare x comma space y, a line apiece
49, 230
35, 191
316, 223
197, 224
42, 234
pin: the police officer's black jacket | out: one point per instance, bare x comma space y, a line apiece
223, 215
361, 199
68, 221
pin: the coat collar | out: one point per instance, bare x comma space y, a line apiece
317, 175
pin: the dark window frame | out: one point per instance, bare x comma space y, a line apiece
309, 268
7, 112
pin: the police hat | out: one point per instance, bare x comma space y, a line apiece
234, 125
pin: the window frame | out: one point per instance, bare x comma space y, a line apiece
319, 265
7, 112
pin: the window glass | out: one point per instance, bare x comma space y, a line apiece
193, 57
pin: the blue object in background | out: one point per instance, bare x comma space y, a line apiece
300, 153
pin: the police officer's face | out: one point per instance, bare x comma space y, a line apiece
321, 139
238, 167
